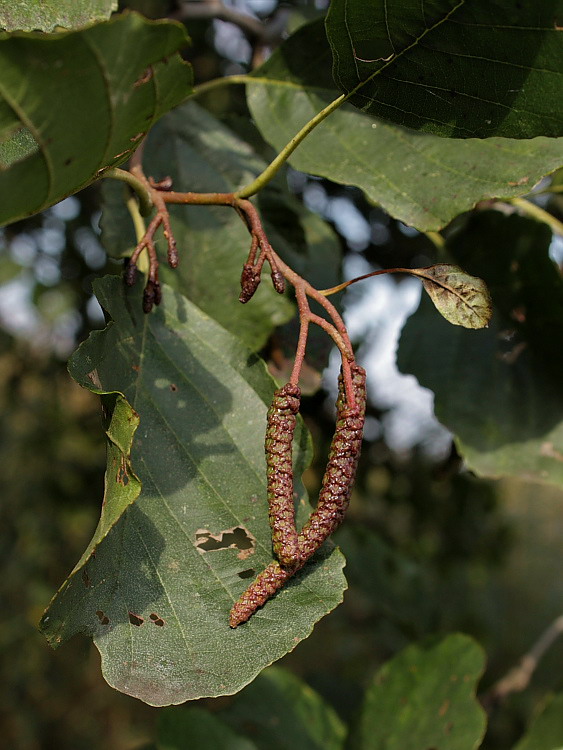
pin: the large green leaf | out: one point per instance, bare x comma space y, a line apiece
79, 102
421, 179
499, 389
465, 68
31, 15
425, 698
546, 731
279, 711
155, 592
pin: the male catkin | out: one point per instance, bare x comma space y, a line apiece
332, 504
282, 417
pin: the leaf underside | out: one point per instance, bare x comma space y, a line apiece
155, 592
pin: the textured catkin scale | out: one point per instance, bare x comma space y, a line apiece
270, 580
340, 472
282, 417
332, 504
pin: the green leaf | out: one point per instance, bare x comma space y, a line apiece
425, 698
110, 83
499, 390
423, 180
546, 731
156, 591
193, 727
31, 15
452, 67
279, 711
461, 299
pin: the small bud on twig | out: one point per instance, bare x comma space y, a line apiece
249, 280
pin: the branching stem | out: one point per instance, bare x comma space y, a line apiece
139, 186
261, 251
273, 168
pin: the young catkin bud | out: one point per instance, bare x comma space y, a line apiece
130, 273
332, 504
249, 281
282, 417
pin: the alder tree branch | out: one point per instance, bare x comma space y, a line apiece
260, 34
261, 252
518, 678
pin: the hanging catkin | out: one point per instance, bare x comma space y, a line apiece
282, 417
332, 504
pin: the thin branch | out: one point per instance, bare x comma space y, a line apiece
518, 678
139, 186
138, 223
260, 252
538, 213
437, 240
216, 83
274, 167
210, 9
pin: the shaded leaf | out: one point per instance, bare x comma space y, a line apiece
162, 581
30, 15
279, 711
421, 179
461, 299
546, 731
499, 390
193, 727
425, 698
455, 68
110, 82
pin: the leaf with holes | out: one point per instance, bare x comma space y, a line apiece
421, 179
110, 82
156, 590
29, 15
425, 698
461, 299
452, 67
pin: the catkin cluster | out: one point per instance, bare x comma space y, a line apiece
293, 548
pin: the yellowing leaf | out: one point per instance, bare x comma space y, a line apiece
461, 299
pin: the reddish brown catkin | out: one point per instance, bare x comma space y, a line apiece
279, 471
340, 472
333, 500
